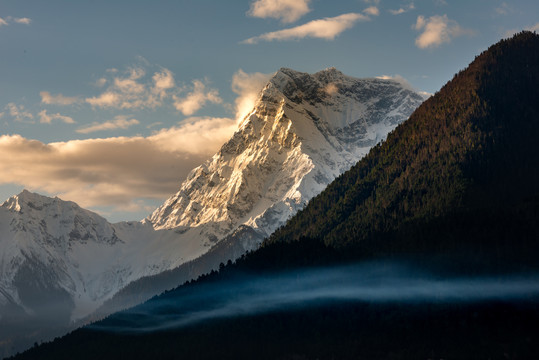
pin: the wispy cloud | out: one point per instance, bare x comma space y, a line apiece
162, 82
398, 78
503, 9
19, 113
131, 90
106, 99
118, 171
154, 124
327, 28
437, 30
141, 87
119, 122
510, 33
100, 82
59, 99
196, 99
247, 87
135, 89
404, 83
24, 20
534, 28
45, 118
402, 10
372, 10
286, 10
6, 21
113, 171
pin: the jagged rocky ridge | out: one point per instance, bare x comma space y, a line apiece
303, 132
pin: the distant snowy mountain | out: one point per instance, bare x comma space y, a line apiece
59, 262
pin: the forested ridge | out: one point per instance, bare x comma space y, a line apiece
467, 153
459, 178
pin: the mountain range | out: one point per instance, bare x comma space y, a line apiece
60, 263
426, 248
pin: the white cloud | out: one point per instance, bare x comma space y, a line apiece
135, 89
107, 99
118, 172
196, 135
9, 19
437, 30
47, 98
398, 78
130, 85
113, 171
196, 99
19, 113
45, 118
119, 122
404, 83
100, 82
25, 20
372, 10
131, 91
248, 87
286, 10
163, 81
402, 10
327, 28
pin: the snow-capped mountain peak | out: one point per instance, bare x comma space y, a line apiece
26, 200
304, 130
56, 221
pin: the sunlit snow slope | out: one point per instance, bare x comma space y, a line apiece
56, 258
303, 132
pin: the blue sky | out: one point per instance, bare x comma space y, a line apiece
111, 103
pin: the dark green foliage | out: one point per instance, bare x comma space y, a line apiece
343, 331
457, 184
468, 149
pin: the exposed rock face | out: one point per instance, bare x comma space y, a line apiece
59, 263
303, 132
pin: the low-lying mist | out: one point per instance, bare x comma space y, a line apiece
249, 294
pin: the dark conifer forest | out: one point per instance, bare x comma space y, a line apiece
454, 191
461, 172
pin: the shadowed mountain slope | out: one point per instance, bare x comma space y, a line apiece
457, 180
463, 168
